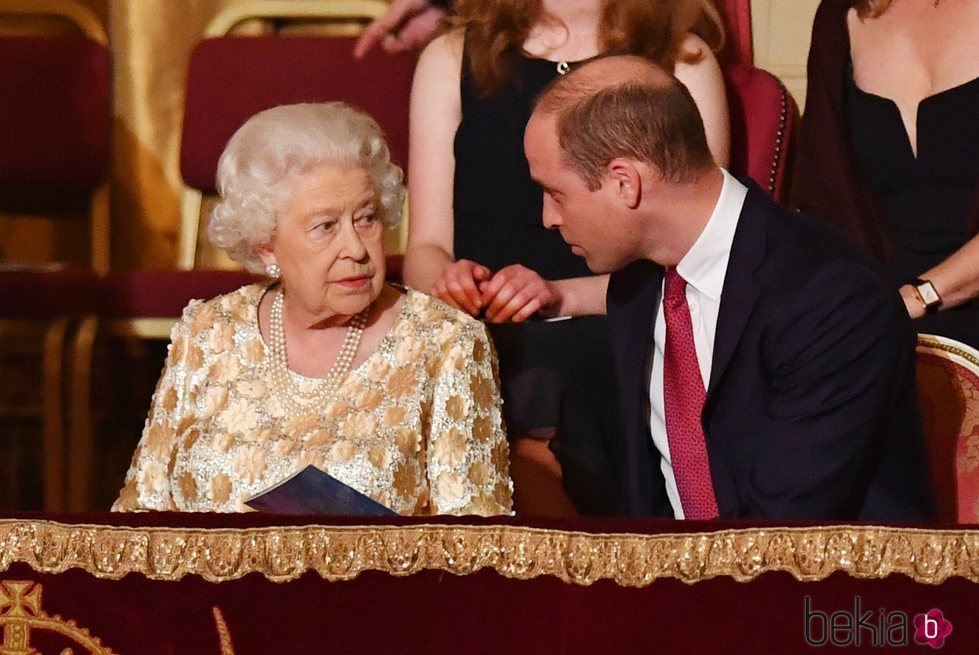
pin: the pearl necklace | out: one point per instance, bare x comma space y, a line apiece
282, 383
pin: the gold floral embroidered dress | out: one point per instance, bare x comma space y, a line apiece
417, 426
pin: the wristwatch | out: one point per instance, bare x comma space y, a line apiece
927, 294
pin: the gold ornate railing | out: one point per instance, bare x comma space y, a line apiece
631, 560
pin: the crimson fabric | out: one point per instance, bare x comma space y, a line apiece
164, 294
683, 399
431, 612
949, 414
233, 78
943, 414
763, 119
40, 296
55, 113
434, 612
736, 15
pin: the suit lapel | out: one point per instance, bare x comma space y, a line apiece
741, 291
639, 458
641, 340
636, 293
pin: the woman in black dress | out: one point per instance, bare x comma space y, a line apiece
890, 147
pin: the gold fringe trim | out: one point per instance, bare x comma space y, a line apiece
224, 635
632, 560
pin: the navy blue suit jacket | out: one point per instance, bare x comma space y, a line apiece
811, 410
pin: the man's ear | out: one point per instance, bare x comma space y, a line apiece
625, 180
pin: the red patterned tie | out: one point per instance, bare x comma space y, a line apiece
683, 400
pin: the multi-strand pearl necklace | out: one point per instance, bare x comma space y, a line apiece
282, 383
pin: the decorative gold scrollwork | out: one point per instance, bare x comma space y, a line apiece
21, 614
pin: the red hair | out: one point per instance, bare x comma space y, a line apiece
654, 29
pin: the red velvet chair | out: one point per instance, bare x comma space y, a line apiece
736, 16
764, 118
55, 136
948, 396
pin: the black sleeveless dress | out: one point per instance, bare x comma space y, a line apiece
550, 370
927, 199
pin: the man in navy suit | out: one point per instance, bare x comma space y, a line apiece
764, 369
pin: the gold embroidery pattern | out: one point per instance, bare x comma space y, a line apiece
631, 560
20, 613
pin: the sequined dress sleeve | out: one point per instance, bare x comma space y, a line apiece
468, 460
166, 421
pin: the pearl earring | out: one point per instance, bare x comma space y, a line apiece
273, 271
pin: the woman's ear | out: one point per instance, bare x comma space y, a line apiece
266, 254
625, 180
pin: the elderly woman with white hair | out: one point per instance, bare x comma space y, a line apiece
388, 390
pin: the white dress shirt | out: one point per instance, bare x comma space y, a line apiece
703, 267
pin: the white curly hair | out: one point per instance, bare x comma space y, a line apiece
257, 167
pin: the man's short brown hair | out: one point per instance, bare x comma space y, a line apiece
657, 123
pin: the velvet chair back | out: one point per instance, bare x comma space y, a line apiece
763, 122
736, 16
232, 78
948, 396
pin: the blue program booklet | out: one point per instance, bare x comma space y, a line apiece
311, 491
